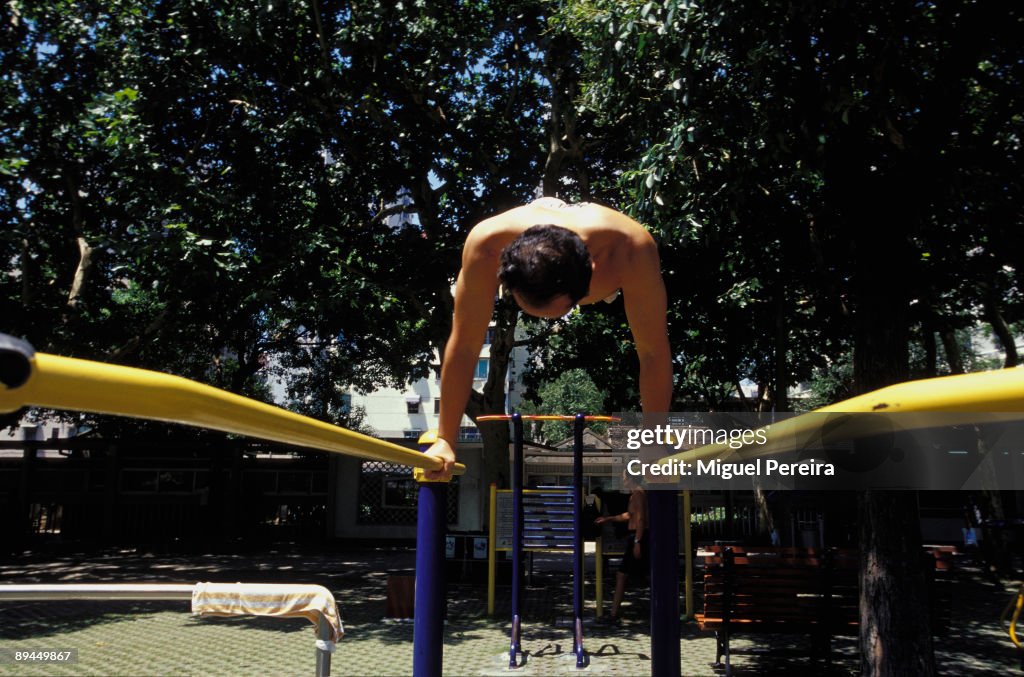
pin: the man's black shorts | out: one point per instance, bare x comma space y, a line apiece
630, 564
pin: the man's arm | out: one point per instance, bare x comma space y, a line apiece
621, 517
474, 305
646, 309
642, 517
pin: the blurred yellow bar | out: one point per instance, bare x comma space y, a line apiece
80, 385
1001, 390
543, 417
983, 397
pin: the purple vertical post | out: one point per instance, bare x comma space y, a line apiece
577, 539
516, 643
428, 623
663, 508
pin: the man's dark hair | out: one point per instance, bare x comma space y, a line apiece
544, 262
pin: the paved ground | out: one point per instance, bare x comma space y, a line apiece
129, 638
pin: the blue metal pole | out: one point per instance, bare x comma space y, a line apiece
663, 506
516, 643
577, 539
428, 623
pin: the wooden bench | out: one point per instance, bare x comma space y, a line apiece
795, 590
940, 587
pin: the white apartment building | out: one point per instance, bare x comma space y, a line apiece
377, 500
408, 413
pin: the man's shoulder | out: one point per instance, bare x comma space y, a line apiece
489, 236
631, 232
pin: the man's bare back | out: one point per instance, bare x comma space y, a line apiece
622, 256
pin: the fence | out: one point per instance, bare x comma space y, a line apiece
49, 381
143, 492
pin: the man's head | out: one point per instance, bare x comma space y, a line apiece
547, 269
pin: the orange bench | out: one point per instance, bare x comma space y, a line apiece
795, 590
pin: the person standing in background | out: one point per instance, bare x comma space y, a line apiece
635, 561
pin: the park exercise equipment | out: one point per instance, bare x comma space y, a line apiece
312, 602
548, 526
42, 380
579, 422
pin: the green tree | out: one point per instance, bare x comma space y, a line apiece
821, 175
573, 392
223, 190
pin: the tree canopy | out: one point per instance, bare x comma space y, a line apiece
573, 392
224, 190
199, 186
805, 166
828, 179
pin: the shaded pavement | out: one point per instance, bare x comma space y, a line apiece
163, 638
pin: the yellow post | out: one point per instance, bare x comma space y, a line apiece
688, 547
492, 554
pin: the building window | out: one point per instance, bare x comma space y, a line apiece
469, 433
386, 495
482, 366
412, 406
437, 405
411, 434
399, 492
489, 336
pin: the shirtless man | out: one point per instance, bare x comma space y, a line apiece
551, 257
635, 558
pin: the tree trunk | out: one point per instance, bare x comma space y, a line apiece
996, 545
954, 356
930, 348
1000, 328
780, 394
84, 249
81, 273
565, 148
765, 519
27, 274
895, 636
495, 436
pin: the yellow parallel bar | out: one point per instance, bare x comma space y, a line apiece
543, 417
983, 397
81, 385
1017, 607
1013, 625
1001, 390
